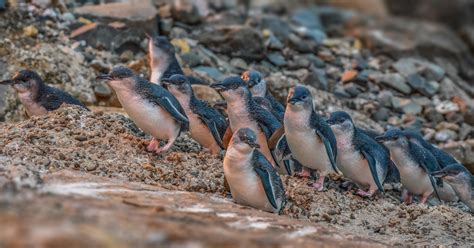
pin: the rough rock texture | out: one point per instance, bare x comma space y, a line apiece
109, 145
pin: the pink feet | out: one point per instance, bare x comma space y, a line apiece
304, 173
407, 198
368, 193
154, 146
319, 184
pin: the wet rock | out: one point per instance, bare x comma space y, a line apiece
274, 43
349, 76
280, 28
406, 105
236, 41
447, 107
383, 114
187, 12
276, 59
395, 81
309, 24
102, 90
166, 25
301, 45
410, 66
139, 18
420, 84
239, 63
316, 78
385, 98
353, 90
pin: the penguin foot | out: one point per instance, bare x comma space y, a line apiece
166, 147
304, 173
368, 193
407, 198
319, 184
153, 146
424, 198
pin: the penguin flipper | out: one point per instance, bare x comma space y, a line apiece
212, 118
329, 149
227, 137
276, 137
265, 119
168, 104
427, 161
270, 180
373, 169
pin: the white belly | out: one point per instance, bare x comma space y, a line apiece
355, 167
245, 185
308, 149
412, 176
32, 108
152, 119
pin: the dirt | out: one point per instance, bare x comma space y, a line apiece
109, 145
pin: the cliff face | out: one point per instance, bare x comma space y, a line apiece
85, 177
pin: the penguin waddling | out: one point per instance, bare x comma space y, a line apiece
163, 62
207, 125
414, 164
153, 109
309, 137
253, 181
360, 158
37, 97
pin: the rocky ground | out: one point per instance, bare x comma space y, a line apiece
385, 72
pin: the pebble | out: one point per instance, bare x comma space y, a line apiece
420, 84
445, 135
395, 81
276, 59
447, 107
239, 63
30, 31
349, 76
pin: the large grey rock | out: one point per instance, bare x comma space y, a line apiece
395, 81
135, 19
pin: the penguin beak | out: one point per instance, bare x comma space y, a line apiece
251, 143
293, 101
104, 77
439, 174
8, 82
218, 86
166, 81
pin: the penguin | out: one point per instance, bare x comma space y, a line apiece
153, 109
244, 112
163, 62
461, 180
258, 88
443, 158
414, 164
252, 180
37, 97
360, 158
309, 137
207, 125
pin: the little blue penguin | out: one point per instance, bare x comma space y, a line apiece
154, 109
252, 179
207, 125
414, 164
163, 62
309, 137
258, 87
461, 180
360, 158
445, 191
37, 97
243, 112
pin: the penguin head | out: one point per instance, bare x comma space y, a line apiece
413, 136
245, 140
452, 173
393, 138
120, 76
232, 88
160, 46
25, 81
178, 85
255, 82
341, 122
300, 98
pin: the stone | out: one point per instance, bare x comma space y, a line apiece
383, 114
316, 78
447, 107
420, 84
395, 81
274, 43
412, 108
385, 98
445, 135
353, 90
139, 17
186, 12
234, 41
301, 45
206, 93
209, 72
276, 59
3, 4
30, 31
349, 75
166, 25
280, 28
102, 90
239, 63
